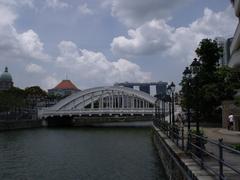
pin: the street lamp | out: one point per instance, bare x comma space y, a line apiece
172, 87
157, 107
169, 103
163, 108
188, 75
195, 68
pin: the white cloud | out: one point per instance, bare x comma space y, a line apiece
14, 45
31, 45
147, 39
88, 67
49, 82
215, 23
95, 68
14, 3
7, 16
211, 25
34, 68
56, 4
84, 9
136, 12
157, 36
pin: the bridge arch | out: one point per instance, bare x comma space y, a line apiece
103, 100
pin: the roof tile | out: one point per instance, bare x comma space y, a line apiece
66, 84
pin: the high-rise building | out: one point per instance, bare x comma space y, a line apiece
226, 51
225, 44
6, 81
159, 87
221, 43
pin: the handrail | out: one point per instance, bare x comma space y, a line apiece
230, 149
198, 151
174, 132
197, 148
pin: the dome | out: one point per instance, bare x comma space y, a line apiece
6, 76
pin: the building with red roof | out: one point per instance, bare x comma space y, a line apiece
64, 88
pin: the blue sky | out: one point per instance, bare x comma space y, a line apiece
100, 42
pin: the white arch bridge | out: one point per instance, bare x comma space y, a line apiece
103, 101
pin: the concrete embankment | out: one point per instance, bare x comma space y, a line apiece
113, 121
178, 165
19, 124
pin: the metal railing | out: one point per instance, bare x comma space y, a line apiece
174, 132
198, 150
44, 112
195, 145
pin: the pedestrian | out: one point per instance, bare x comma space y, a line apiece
230, 122
180, 120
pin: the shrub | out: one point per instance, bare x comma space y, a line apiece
236, 146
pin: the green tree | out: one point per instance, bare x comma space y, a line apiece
34, 94
35, 91
12, 99
211, 84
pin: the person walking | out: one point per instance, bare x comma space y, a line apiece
180, 120
230, 122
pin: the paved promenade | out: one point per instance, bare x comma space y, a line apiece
229, 137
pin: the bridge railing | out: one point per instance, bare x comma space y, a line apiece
49, 112
209, 154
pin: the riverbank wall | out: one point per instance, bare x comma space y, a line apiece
177, 164
88, 121
6, 125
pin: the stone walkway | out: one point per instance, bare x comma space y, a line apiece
229, 137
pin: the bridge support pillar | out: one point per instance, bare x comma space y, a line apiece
112, 100
44, 123
92, 102
122, 101
132, 102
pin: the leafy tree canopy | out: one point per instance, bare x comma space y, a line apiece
212, 84
35, 91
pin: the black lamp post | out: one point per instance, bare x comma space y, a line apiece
169, 103
163, 108
172, 86
188, 75
157, 107
195, 68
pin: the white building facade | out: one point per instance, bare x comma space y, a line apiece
235, 45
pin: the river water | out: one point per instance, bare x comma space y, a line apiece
79, 153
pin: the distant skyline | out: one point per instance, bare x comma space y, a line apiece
101, 42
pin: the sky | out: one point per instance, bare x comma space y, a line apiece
101, 42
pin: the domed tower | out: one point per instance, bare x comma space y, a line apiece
6, 80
